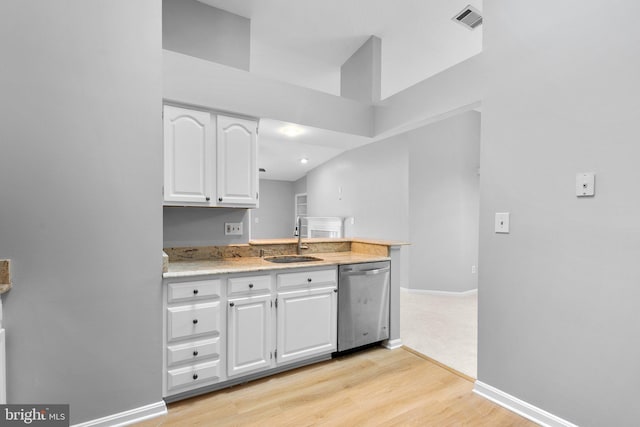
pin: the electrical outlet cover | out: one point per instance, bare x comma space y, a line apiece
233, 229
585, 184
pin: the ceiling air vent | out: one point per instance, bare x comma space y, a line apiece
469, 17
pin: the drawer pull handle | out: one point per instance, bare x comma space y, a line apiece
195, 321
195, 292
250, 285
195, 353
231, 304
195, 376
309, 279
219, 199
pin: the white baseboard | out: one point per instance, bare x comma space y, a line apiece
392, 344
448, 293
128, 417
520, 407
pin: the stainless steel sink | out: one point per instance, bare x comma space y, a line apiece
292, 258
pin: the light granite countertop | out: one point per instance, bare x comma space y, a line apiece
5, 276
290, 240
190, 268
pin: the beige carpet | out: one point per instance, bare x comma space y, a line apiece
443, 327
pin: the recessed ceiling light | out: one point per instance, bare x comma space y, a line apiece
291, 131
304, 160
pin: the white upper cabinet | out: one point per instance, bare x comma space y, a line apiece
237, 177
205, 167
189, 150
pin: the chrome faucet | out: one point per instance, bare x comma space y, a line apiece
300, 246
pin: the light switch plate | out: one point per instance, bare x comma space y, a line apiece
585, 184
502, 222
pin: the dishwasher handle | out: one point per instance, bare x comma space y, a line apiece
364, 272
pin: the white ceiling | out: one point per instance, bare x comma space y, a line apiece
304, 42
280, 155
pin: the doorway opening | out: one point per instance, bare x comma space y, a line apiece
439, 306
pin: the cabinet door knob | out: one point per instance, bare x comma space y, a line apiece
195, 292
195, 376
219, 199
250, 285
195, 321
207, 198
195, 353
335, 290
231, 304
309, 279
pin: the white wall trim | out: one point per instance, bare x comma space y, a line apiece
3, 369
449, 293
520, 407
125, 418
392, 344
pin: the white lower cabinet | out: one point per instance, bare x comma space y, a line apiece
307, 323
224, 327
249, 332
194, 335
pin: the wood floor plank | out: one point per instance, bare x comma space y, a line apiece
375, 387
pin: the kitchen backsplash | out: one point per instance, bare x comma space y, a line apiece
202, 226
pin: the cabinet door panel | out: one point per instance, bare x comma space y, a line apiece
249, 334
188, 155
237, 176
307, 323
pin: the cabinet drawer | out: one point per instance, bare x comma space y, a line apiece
307, 278
193, 351
251, 284
194, 374
191, 320
195, 290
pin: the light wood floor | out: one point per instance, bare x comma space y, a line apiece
376, 387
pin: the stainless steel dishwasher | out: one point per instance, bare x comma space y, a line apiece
363, 304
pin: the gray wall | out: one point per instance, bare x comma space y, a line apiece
197, 29
422, 187
445, 94
81, 167
374, 180
188, 226
559, 296
443, 199
300, 186
275, 216
361, 74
